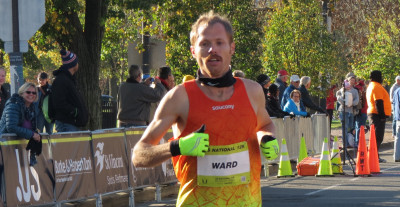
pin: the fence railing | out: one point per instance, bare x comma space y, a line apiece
80, 165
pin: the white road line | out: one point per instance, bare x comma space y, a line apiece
333, 186
327, 188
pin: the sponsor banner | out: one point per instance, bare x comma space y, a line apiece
110, 160
73, 165
26, 185
165, 171
138, 176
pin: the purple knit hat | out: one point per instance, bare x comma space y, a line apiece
69, 59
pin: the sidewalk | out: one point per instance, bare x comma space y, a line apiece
388, 140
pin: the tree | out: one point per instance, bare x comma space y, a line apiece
175, 18
79, 26
121, 29
370, 33
297, 40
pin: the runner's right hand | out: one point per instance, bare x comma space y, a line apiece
194, 144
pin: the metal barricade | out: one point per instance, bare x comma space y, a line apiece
80, 165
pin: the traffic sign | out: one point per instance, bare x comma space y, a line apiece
31, 18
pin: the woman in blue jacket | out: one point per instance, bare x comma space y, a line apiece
19, 115
293, 104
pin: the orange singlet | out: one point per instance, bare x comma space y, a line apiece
228, 122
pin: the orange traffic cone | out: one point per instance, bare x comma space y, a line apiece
362, 167
373, 153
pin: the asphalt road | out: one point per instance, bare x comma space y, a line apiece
342, 190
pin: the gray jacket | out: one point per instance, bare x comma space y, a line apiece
134, 100
340, 98
392, 90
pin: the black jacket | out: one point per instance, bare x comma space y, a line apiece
274, 108
306, 99
4, 96
66, 101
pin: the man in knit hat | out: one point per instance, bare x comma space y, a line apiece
265, 82
379, 106
67, 106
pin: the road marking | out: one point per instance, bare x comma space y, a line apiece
327, 188
334, 186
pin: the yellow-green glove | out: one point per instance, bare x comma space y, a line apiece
194, 144
269, 147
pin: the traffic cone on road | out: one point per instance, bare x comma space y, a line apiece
373, 152
325, 165
362, 166
303, 150
285, 168
337, 167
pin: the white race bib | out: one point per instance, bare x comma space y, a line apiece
225, 165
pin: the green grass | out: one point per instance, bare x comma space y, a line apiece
336, 124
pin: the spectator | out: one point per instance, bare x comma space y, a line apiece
294, 84
4, 94
273, 106
394, 87
229, 112
361, 117
379, 107
43, 91
330, 103
68, 108
396, 116
265, 82
356, 95
166, 77
135, 97
20, 114
281, 82
347, 100
19, 117
292, 106
305, 84
187, 78
238, 73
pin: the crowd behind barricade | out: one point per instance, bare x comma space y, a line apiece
203, 106
355, 100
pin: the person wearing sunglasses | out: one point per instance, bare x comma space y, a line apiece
19, 115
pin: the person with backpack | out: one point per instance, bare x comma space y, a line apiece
43, 91
66, 102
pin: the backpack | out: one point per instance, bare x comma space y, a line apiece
46, 106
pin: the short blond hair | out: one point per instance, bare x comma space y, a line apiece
25, 87
210, 19
295, 91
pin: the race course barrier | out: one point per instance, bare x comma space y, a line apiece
80, 165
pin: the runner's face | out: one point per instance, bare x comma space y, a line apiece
213, 51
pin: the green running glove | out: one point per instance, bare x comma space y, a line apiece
269, 147
194, 144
